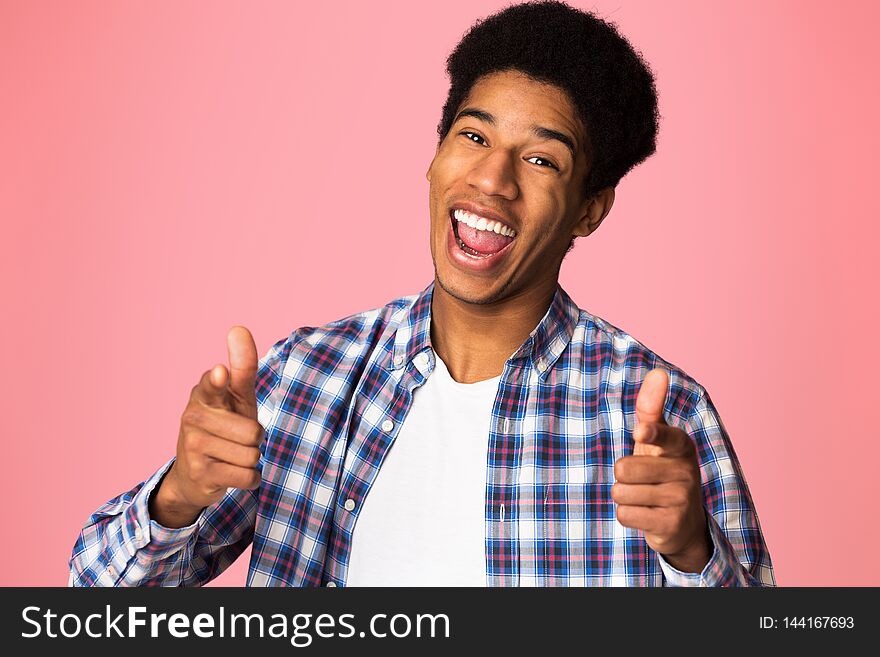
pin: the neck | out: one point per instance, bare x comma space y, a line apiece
475, 340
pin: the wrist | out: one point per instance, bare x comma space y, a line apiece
169, 507
694, 557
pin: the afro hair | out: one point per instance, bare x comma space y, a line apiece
608, 82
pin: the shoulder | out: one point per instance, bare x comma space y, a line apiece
622, 362
348, 339
358, 328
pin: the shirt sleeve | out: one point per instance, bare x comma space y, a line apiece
121, 545
739, 556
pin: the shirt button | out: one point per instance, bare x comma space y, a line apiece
111, 571
421, 360
138, 534
331, 585
387, 426
398, 360
349, 504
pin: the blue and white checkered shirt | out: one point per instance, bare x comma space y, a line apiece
332, 399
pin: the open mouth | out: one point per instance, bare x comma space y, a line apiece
479, 237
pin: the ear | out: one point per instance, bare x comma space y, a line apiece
431, 166
594, 210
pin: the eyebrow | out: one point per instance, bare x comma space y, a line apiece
540, 131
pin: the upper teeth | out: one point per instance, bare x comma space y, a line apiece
481, 223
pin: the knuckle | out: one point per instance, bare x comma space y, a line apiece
197, 469
621, 471
660, 543
192, 416
195, 441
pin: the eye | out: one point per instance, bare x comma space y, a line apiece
473, 136
542, 161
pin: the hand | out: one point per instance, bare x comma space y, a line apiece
218, 444
658, 487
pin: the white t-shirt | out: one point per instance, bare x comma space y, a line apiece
422, 522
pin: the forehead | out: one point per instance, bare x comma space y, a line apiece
519, 102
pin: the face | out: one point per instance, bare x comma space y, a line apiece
506, 191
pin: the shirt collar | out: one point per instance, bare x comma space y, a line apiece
543, 347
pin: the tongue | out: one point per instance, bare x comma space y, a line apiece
482, 241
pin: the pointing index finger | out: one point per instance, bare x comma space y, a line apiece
211, 389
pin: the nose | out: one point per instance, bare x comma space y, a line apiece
494, 175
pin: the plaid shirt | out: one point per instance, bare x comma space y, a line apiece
332, 399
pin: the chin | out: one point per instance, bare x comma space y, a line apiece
465, 295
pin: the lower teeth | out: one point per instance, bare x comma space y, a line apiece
464, 247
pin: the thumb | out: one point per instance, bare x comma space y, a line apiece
650, 401
243, 360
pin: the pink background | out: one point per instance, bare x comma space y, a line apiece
168, 170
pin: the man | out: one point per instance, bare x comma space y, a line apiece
486, 431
